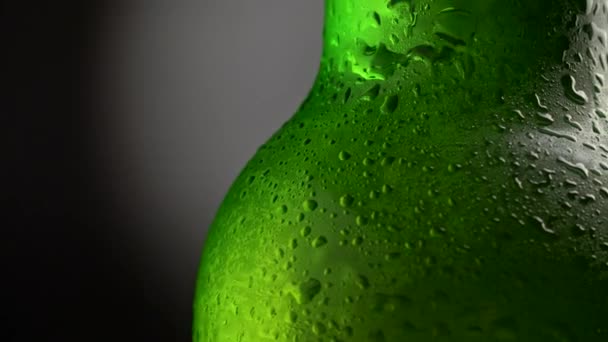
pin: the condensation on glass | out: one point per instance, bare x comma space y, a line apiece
445, 180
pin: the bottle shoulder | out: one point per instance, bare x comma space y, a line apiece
415, 171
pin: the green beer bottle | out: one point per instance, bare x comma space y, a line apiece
445, 180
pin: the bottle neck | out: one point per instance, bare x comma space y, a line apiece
375, 39
463, 56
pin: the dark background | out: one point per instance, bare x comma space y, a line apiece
123, 125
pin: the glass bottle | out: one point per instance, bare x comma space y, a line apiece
445, 180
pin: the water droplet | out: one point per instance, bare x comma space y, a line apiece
347, 94
450, 201
292, 317
346, 200
576, 96
546, 116
343, 155
588, 198
306, 291
577, 167
386, 189
387, 161
573, 123
600, 79
372, 93
390, 104
596, 128
543, 225
392, 256
377, 18
556, 134
305, 231
310, 205
519, 183
519, 113
319, 241
589, 146
540, 105
360, 220
368, 161
362, 282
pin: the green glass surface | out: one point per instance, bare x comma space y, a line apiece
445, 180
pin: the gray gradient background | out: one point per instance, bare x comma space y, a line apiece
194, 87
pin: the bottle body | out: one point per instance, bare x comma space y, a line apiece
452, 189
